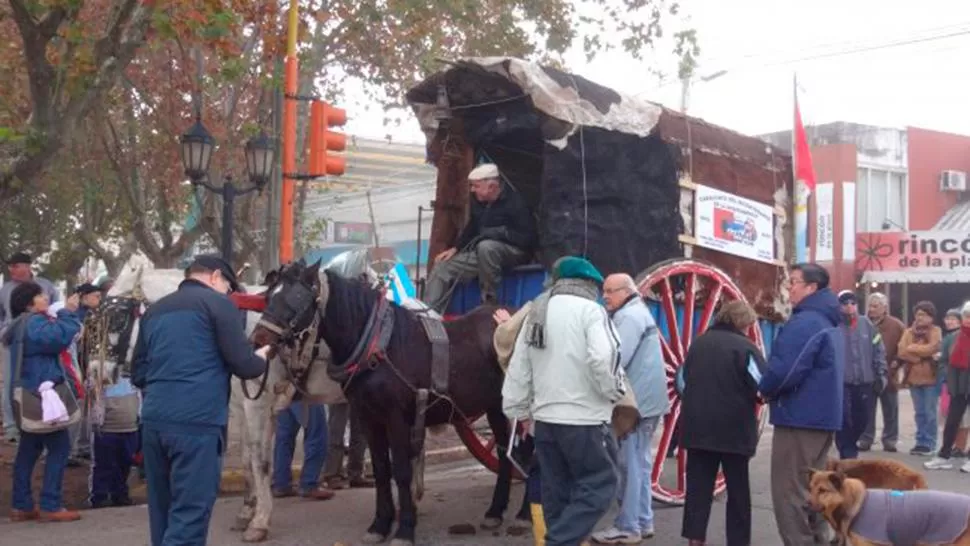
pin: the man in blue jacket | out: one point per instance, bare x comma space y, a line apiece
804, 387
189, 345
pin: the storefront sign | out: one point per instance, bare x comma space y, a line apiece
825, 222
733, 224
352, 232
913, 251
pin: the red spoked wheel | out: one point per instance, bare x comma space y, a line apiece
478, 438
684, 295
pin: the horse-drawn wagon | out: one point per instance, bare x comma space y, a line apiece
696, 212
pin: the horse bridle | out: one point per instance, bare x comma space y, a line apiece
301, 299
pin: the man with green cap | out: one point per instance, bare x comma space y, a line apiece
565, 374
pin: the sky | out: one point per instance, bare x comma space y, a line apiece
759, 45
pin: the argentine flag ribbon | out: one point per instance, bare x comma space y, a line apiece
399, 282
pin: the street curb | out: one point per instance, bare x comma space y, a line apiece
233, 480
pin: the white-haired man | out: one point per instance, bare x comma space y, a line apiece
642, 360
891, 330
500, 234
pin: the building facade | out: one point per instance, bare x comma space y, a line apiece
891, 211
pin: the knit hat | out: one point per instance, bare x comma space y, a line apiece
577, 268
20, 258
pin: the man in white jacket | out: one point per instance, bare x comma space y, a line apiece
565, 373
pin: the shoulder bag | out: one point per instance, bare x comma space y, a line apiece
27, 406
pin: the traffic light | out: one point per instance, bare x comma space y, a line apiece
322, 140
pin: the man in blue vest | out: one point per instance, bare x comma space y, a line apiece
189, 345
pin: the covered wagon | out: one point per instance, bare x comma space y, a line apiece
695, 212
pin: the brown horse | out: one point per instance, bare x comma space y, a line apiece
382, 357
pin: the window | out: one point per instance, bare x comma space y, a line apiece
880, 199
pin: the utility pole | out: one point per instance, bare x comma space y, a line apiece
289, 138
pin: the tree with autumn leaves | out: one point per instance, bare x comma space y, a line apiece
96, 93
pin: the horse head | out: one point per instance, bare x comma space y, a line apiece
298, 293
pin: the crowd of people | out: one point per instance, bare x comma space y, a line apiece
584, 344
169, 410
829, 369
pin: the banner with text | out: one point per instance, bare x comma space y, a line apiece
732, 224
825, 222
848, 220
921, 251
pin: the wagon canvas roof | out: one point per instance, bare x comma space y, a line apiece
561, 95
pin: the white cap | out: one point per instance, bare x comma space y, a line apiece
483, 171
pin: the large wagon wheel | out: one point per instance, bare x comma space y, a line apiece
482, 446
684, 295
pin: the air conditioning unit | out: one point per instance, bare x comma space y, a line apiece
953, 181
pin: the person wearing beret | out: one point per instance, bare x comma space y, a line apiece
18, 269
190, 343
500, 234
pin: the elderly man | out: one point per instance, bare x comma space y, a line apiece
804, 386
865, 374
891, 329
18, 266
642, 360
500, 234
190, 343
565, 373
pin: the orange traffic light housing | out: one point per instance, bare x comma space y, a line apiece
322, 140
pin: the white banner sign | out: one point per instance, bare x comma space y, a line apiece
848, 221
825, 222
732, 224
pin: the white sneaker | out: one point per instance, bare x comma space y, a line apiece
938, 463
616, 536
965, 468
649, 532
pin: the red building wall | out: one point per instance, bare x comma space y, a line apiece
930, 153
835, 163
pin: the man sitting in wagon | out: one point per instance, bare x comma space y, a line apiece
500, 234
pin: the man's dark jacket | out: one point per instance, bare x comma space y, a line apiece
806, 368
720, 395
189, 345
506, 220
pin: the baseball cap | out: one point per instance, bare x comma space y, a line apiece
20, 258
847, 296
216, 263
86, 288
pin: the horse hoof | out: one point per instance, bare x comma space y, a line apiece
491, 523
402, 542
255, 535
241, 524
372, 538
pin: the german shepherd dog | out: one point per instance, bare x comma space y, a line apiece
881, 517
879, 473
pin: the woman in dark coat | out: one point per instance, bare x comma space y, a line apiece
719, 428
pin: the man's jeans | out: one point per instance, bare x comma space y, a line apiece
578, 479
10, 430
889, 400
926, 400
314, 445
636, 464
855, 418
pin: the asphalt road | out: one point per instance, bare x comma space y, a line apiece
458, 492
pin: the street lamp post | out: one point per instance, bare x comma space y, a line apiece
197, 148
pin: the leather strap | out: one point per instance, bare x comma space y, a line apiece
440, 353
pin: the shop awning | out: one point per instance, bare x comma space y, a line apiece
901, 277
955, 219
